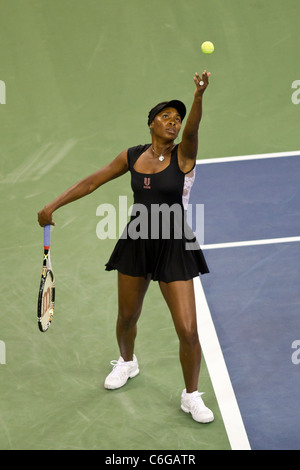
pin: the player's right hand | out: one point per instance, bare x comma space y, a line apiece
45, 217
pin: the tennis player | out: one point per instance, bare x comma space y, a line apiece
162, 174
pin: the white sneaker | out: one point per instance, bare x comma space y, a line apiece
122, 371
193, 403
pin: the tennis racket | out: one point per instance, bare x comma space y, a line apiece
46, 298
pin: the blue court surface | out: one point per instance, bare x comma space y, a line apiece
251, 325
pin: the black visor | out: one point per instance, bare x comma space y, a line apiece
167, 104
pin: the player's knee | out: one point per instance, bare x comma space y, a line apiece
188, 336
127, 318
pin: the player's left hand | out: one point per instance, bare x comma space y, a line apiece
201, 83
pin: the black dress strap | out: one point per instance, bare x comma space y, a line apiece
133, 154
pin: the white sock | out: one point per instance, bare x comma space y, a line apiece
191, 394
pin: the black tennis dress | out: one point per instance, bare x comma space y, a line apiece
157, 240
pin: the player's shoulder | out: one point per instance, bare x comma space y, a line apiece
138, 148
134, 152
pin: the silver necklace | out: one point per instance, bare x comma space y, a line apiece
161, 156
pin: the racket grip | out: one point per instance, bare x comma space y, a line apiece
47, 235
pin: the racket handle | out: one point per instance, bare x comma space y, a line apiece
47, 236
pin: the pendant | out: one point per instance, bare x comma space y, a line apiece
161, 158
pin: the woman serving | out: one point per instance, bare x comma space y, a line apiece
162, 174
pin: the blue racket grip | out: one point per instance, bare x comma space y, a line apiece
47, 235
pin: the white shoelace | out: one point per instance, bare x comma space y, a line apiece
115, 365
198, 402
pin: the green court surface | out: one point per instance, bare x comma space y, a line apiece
80, 78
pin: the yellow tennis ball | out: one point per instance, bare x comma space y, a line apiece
207, 47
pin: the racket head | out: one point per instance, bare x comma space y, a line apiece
46, 297
46, 300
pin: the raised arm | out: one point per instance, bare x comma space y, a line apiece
114, 169
188, 147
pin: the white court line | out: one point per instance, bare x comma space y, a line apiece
215, 362
267, 241
212, 352
248, 157
218, 373
214, 357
